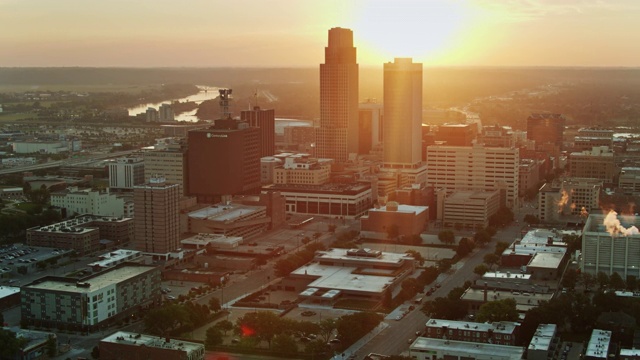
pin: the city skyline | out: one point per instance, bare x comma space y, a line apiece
290, 33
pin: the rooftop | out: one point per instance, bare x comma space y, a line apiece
526, 298
505, 275
362, 257
332, 188
123, 337
205, 239
598, 346
115, 256
98, 281
343, 278
503, 327
546, 260
543, 337
470, 349
618, 225
220, 212
407, 209
8, 291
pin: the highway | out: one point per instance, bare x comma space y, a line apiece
59, 163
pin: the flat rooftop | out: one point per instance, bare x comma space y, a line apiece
620, 225
407, 209
497, 275
598, 346
8, 291
341, 254
503, 327
205, 239
330, 188
343, 278
525, 298
533, 249
221, 212
469, 349
543, 337
99, 281
115, 256
134, 339
546, 260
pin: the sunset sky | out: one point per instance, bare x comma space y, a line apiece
279, 33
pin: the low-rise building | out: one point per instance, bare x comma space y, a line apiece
469, 209
9, 296
544, 344
500, 333
82, 234
428, 349
525, 298
341, 200
123, 345
598, 345
37, 344
349, 273
88, 201
87, 303
232, 220
114, 258
408, 219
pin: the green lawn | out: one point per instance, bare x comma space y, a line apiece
16, 116
28, 206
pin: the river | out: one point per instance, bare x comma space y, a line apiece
209, 93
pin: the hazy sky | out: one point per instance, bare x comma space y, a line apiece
269, 33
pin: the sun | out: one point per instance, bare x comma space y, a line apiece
423, 29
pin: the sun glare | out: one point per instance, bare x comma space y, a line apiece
419, 29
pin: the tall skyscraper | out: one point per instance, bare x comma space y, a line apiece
157, 219
338, 132
370, 125
402, 114
266, 121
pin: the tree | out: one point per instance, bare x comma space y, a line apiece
602, 279
52, 346
632, 283
481, 269
531, 219
588, 280
444, 265
447, 236
409, 287
616, 282
284, 343
570, 279
38, 196
465, 246
502, 218
482, 237
327, 326
491, 259
501, 246
213, 337
499, 310
416, 255
263, 325
95, 352
393, 232
214, 304
574, 242
352, 327
224, 326
10, 345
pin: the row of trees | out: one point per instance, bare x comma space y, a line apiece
284, 267
174, 319
280, 333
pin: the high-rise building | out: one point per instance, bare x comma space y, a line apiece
338, 132
475, 168
165, 113
266, 121
157, 220
546, 128
170, 163
457, 134
223, 160
127, 172
402, 113
370, 120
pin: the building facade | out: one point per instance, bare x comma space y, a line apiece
597, 163
265, 120
475, 168
370, 123
546, 128
157, 220
611, 243
469, 209
92, 202
87, 303
338, 131
125, 173
402, 114
170, 163
229, 148
409, 220
123, 345
82, 234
